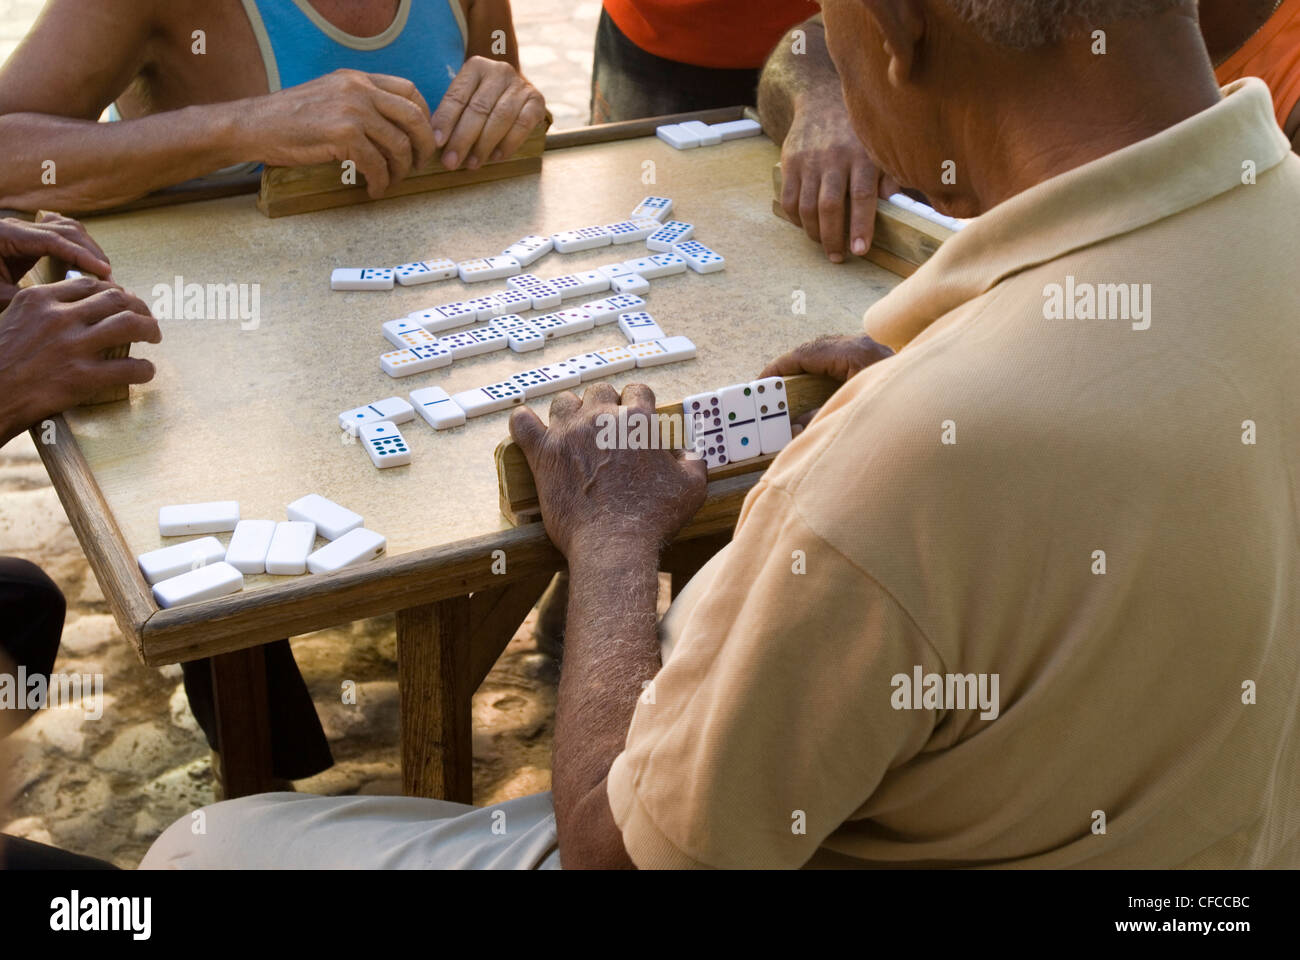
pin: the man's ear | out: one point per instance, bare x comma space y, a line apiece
902, 24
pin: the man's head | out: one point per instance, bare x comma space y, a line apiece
938, 87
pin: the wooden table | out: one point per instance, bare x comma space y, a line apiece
251, 415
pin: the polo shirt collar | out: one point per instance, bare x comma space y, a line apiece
1175, 170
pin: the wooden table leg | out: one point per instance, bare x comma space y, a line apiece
243, 724
433, 671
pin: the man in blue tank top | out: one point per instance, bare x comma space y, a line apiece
206, 85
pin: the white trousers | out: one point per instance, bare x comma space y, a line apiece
302, 831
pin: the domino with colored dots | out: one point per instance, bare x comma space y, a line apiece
487, 308
626, 231
653, 353
364, 278
633, 284
425, 271
542, 294
355, 546
740, 422
404, 363
513, 300
489, 399
385, 446
526, 338
639, 326
671, 233
192, 518
206, 583
249, 545
699, 257
586, 238
394, 408
530, 249
290, 545
617, 359
656, 208
611, 308
437, 408
612, 271
395, 330
168, 562
534, 383
660, 265
704, 428
589, 366
588, 282
774, 432
437, 319
488, 268
330, 519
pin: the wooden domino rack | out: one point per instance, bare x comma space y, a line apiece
518, 489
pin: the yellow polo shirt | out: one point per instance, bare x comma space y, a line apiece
1096, 508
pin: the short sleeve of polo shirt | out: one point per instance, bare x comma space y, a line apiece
772, 722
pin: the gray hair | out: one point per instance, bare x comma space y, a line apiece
1024, 24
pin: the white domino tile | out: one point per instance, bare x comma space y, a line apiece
699, 257
487, 308
705, 434
561, 376
586, 238
205, 583
290, 545
489, 399
612, 270
633, 284
361, 278
462, 346
569, 286
677, 136
740, 422
425, 271
530, 249
534, 383
437, 408
707, 135
653, 353
591, 281
168, 562
404, 363
664, 265
395, 330
394, 408
356, 546
513, 300
488, 268
611, 308
186, 519
331, 519
249, 545
737, 129
671, 233
590, 366
627, 231
525, 339
657, 208
639, 326
617, 359
385, 445
542, 295
437, 319
774, 431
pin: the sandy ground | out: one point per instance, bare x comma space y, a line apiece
108, 787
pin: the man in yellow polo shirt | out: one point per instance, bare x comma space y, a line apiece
1025, 593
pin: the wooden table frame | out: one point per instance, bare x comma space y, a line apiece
454, 614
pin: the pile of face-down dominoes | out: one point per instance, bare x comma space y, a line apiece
203, 569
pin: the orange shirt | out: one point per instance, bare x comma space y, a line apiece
726, 34
1273, 55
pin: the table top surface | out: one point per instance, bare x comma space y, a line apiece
252, 414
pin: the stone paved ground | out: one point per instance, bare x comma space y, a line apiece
108, 786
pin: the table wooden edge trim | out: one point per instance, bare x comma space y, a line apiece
128, 596
641, 127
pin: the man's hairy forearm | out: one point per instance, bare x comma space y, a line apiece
99, 165
791, 78
611, 649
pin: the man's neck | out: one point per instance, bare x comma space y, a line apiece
1070, 106
360, 18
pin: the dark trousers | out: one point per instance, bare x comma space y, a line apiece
298, 745
31, 623
628, 83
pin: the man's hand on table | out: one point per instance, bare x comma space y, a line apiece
52, 342
592, 498
23, 243
837, 357
611, 512
486, 114
829, 181
379, 122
